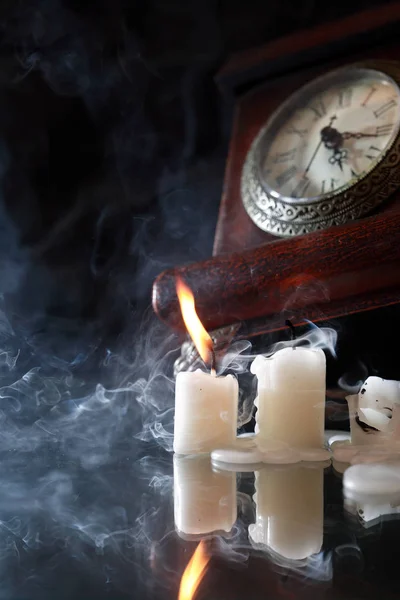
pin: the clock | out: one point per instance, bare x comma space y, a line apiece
328, 153
309, 221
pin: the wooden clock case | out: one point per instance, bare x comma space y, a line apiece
255, 281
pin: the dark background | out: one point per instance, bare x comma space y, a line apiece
113, 139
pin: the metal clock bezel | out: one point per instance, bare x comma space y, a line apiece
285, 217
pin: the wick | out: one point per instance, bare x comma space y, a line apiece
289, 324
213, 369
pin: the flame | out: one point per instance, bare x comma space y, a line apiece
194, 573
199, 335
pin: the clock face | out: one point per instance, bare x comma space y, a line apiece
329, 134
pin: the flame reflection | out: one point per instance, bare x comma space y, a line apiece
197, 332
194, 573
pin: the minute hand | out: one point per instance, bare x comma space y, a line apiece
318, 147
349, 134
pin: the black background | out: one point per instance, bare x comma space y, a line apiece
113, 142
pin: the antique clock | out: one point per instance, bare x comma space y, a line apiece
309, 223
328, 154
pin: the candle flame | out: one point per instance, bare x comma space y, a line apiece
197, 332
194, 573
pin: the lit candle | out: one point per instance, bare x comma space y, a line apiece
204, 499
206, 406
291, 397
289, 510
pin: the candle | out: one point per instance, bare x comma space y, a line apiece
204, 499
291, 397
376, 401
206, 406
374, 415
361, 434
205, 412
289, 510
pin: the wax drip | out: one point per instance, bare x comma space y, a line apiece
289, 324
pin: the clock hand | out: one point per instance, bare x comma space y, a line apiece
319, 145
331, 138
349, 134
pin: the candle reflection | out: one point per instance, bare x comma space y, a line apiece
204, 499
371, 509
289, 510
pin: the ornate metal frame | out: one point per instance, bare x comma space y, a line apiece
298, 218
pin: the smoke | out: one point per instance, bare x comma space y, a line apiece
317, 568
352, 381
98, 193
349, 558
323, 338
68, 448
83, 424
106, 178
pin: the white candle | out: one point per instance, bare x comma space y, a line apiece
291, 397
289, 510
376, 400
360, 435
206, 406
204, 499
376, 406
206, 409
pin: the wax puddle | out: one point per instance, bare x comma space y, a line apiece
237, 456
246, 451
346, 452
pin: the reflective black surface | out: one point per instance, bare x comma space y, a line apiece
89, 489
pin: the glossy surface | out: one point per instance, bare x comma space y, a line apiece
91, 507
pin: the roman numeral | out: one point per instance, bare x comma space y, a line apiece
323, 186
384, 108
318, 108
300, 132
353, 173
384, 129
286, 176
373, 152
301, 188
283, 157
333, 184
345, 96
372, 91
